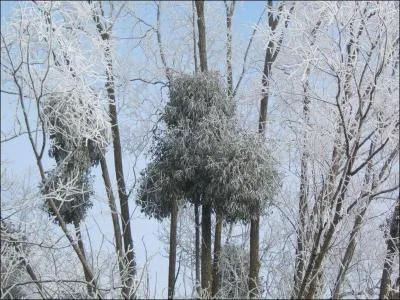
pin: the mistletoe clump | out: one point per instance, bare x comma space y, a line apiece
243, 176
71, 195
203, 157
78, 135
196, 117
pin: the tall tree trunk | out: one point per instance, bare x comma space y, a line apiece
196, 66
255, 222
116, 226
206, 249
197, 250
172, 248
217, 251
229, 15
392, 242
254, 262
206, 261
202, 35
196, 205
119, 172
82, 248
218, 221
272, 51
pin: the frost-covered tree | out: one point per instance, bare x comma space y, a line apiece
202, 156
13, 262
196, 118
234, 267
75, 152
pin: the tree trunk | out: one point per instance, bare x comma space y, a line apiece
348, 256
196, 67
392, 242
196, 205
197, 254
255, 222
172, 248
303, 206
206, 267
254, 262
119, 172
202, 35
206, 249
217, 251
229, 15
117, 229
345, 262
82, 248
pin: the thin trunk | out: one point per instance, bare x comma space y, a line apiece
119, 172
116, 226
253, 281
310, 278
78, 251
254, 259
345, 262
172, 248
229, 15
196, 205
348, 256
206, 266
255, 222
80, 244
303, 206
196, 66
392, 242
202, 35
197, 230
217, 251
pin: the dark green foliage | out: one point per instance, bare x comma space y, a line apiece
196, 117
70, 183
242, 175
157, 189
202, 156
194, 98
71, 195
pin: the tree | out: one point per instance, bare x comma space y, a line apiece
104, 31
14, 261
192, 133
202, 157
272, 51
323, 96
357, 117
393, 245
233, 266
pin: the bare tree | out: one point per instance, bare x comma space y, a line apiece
272, 51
